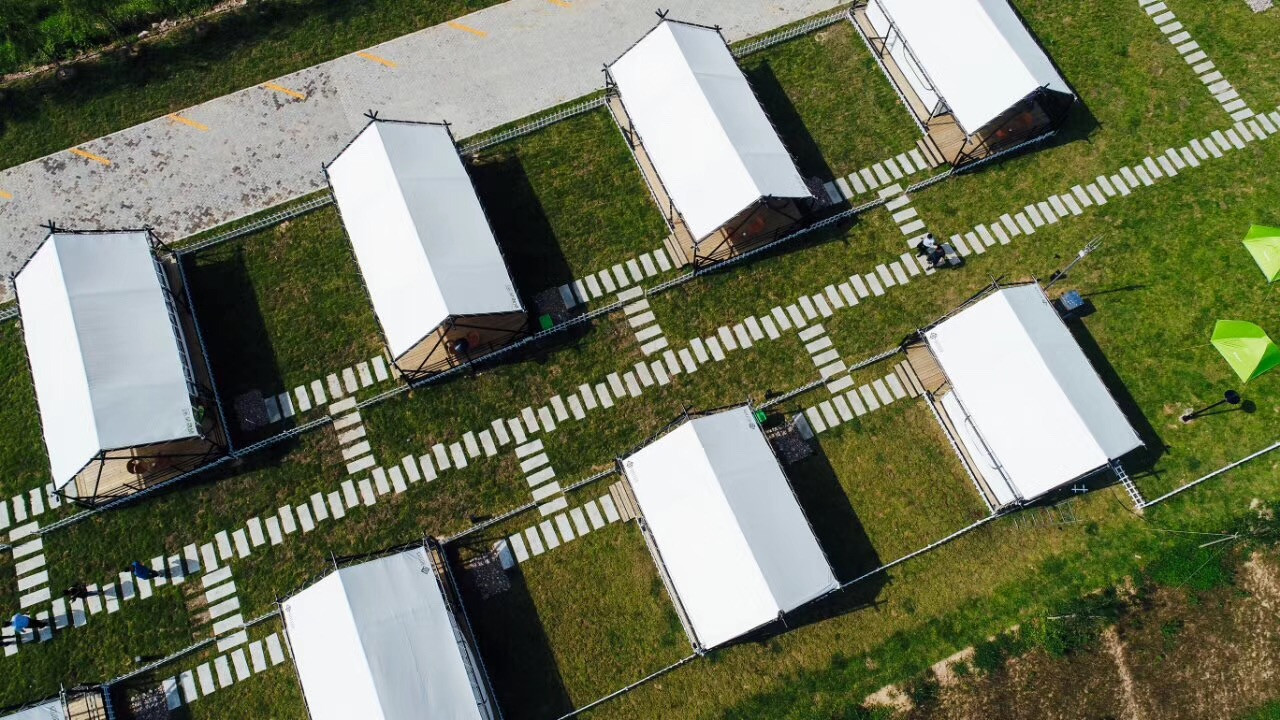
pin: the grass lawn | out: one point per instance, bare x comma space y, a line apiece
1171, 263
829, 100
272, 693
24, 464
887, 480
243, 48
578, 622
282, 307
566, 202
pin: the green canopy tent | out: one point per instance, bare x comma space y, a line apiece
1263, 243
1247, 348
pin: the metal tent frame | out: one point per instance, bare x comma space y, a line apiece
205, 401
427, 367
727, 247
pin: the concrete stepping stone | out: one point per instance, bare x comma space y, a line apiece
458, 455
241, 666
397, 484
594, 515
380, 481
518, 548
256, 656
321, 510
815, 419
610, 510
242, 543
869, 397
336, 507
273, 649
273, 530
305, 520
205, 675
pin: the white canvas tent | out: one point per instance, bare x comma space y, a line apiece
728, 534
974, 56
51, 710
1029, 407
106, 351
379, 641
420, 236
711, 146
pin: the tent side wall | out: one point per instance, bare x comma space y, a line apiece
933, 380
684, 240
1037, 115
483, 687
763, 222
483, 333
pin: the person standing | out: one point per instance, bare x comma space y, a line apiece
76, 592
142, 572
22, 622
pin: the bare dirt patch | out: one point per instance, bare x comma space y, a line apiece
1175, 655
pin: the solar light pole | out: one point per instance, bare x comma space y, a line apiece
1230, 397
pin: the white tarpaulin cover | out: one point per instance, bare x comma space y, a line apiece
51, 710
1029, 390
703, 128
105, 358
979, 55
423, 243
375, 641
736, 545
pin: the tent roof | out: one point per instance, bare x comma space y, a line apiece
1031, 393
107, 363
1263, 243
376, 641
1246, 347
705, 132
421, 239
981, 58
731, 535
51, 710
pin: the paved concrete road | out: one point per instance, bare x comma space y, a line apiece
247, 151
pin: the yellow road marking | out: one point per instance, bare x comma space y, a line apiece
5, 195
90, 156
285, 90
375, 58
465, 28
188, 122
561, 3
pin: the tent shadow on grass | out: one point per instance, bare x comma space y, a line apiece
842, 538
788, 122
235, 333
529, 243
1140, 461
514, 648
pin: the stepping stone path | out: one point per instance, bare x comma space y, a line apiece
828, 414
561, 529
1190, 50
313, 396
632, 271
885, 172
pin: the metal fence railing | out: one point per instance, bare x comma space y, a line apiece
795, 31
261, 223
533, 125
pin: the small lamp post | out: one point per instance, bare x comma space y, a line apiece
1230, 397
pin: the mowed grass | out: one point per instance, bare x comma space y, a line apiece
24, 464
239, 49
833, 107
282, 307
566, 202
578, 622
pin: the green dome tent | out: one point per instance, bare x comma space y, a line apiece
1263, 243
1246, 347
